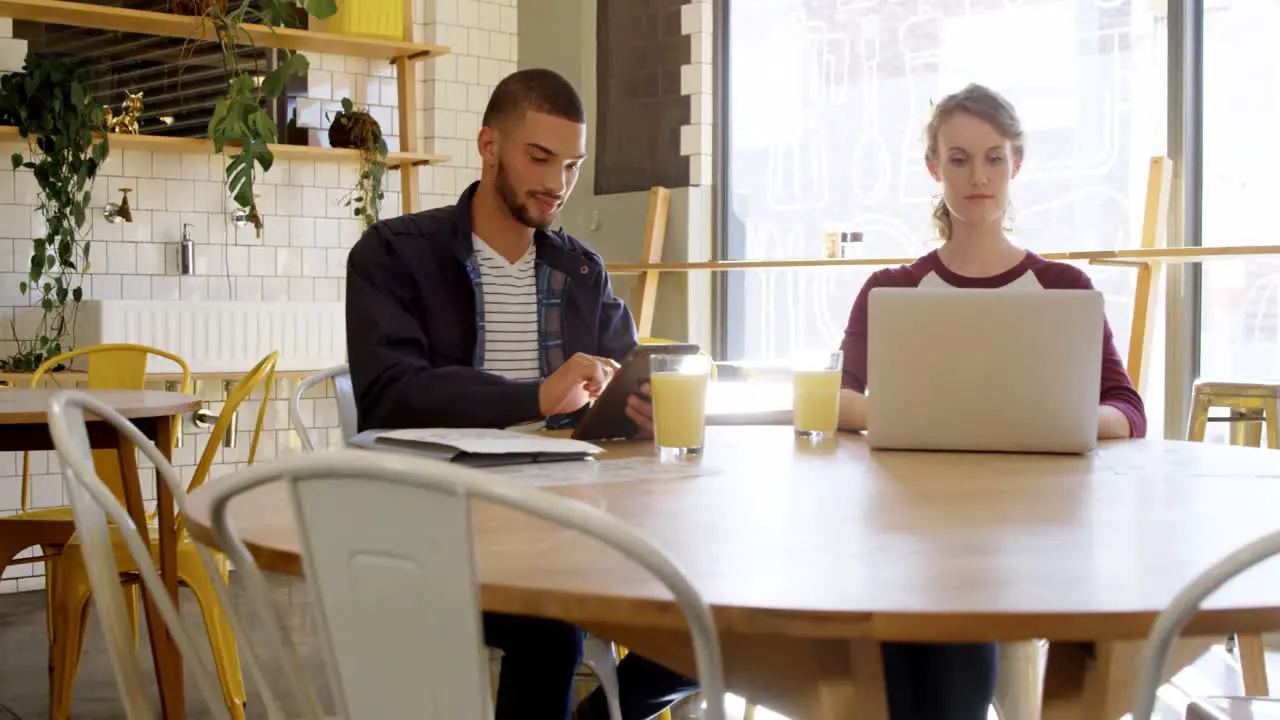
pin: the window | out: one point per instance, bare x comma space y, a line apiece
1240, 299
828, 100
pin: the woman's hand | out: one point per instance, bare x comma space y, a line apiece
1112, 424
853, 410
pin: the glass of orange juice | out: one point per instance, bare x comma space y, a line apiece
815, 385
678, 387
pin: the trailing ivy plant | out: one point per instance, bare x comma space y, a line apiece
240, 118
49, 105
363, 133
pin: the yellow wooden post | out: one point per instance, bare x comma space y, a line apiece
655, 234
407, 85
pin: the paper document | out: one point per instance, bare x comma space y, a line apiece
477, 446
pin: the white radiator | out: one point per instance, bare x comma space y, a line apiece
221, 336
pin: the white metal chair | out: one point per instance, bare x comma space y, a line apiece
597, 654
90, 499
396, 596
1168, 627
601, 657
341, 377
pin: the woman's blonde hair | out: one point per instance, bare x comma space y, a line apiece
980, 102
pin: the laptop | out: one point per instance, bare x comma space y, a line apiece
984, 370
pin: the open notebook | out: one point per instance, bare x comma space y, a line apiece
477, 447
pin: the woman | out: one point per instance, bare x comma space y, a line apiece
974, 148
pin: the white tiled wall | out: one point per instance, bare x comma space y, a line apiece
695, 81
302, 252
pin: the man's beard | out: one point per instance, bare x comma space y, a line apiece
518, 210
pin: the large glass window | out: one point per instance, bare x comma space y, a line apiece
1240, 299
828, 100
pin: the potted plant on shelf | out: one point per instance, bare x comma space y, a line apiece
62, 125
357, 129
240, 119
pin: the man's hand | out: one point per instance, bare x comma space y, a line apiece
640, 410
579, 380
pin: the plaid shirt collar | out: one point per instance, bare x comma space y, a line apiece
551, 284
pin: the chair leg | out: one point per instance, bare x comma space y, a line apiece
68, 616
131, 597
53, 571
599, 655
1253, 665
1271, 415
1020, 680
222, 642
1199, 420
50, 589
1246, 428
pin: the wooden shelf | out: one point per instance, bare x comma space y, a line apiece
103, 17
1100, 257
157, 143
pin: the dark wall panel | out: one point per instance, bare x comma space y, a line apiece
639, 52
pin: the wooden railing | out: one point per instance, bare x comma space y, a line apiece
1158, 254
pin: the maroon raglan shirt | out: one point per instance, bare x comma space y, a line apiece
1033, 271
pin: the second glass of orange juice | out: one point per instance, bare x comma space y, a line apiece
678, 386
815, 384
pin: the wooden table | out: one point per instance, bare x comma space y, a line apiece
810, 556
24, 426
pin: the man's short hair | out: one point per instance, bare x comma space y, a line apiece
537, 90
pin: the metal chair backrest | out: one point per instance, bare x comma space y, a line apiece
341, 377
1169, 624
112, 366
92, 504
387, 550
262, 375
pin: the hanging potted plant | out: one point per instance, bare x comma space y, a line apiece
357, 129
48, 104
239, 119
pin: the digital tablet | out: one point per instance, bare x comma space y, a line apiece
606, 418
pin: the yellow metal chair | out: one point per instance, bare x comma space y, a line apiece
70, 589
116, 366
1251, 406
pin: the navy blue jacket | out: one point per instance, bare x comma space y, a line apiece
415, 322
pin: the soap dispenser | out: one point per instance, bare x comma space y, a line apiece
186, 252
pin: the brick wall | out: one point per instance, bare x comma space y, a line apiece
653, 94
302, 252
641, 54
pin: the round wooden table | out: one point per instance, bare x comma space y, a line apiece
24, 416
812, 555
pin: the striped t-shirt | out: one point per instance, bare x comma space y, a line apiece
510, 298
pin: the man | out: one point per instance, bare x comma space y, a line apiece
478, 315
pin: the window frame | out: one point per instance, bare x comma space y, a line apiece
1185, 146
